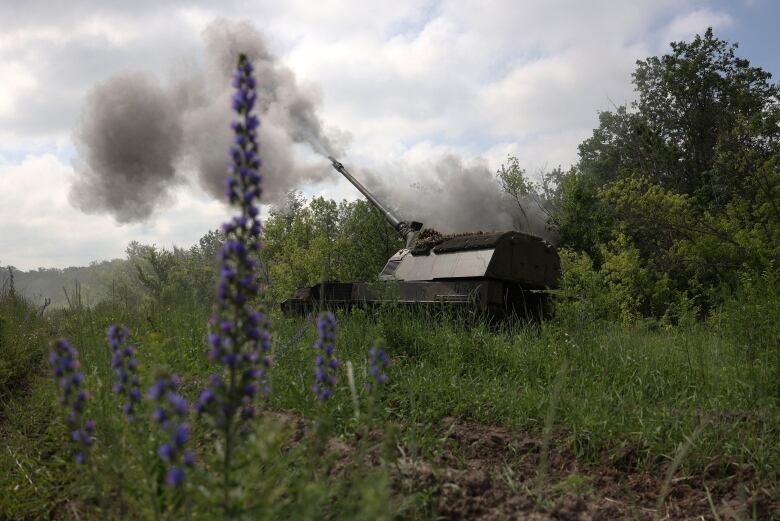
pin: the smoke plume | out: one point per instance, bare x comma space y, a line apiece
130, 136
138, 138
452, 195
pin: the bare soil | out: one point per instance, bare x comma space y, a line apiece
490, 473
494, 473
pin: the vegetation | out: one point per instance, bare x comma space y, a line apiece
677, 195
627, 397
322, 241
93, 282
654, 390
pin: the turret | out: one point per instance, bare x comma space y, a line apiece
407, 229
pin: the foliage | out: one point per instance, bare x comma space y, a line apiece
162, 275
689, 176
750, 320
532, 198
323, 240
621, 289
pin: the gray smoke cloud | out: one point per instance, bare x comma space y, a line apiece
129, 138
138, 137
452, 195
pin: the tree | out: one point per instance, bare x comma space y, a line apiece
532, 198
513, 182
694, 103
305, 243
366, 241
688, 174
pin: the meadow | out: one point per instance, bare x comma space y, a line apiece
564, 418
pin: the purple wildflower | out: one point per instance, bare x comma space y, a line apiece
125, 366
239, 338
325, 363
175, 477
64, 362
378, 362
169, 412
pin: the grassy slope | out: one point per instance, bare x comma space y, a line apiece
619, 393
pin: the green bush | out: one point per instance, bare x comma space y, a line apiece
621, 289
751, 321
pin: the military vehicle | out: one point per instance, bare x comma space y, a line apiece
496, 273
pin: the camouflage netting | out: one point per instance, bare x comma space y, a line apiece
430, 238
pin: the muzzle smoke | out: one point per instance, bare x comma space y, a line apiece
139, 138
453, 195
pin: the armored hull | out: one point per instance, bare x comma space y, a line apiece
497, 273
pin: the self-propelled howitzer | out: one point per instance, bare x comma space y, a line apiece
499, 273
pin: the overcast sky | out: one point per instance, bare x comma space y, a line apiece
406, 81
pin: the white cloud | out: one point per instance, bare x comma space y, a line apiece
687, 25
490, 71
17, 78
89, 27
39, 228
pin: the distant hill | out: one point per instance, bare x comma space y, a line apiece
93, 281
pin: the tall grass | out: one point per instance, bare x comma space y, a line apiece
631, 394
24, 336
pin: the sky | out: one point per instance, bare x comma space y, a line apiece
400, 84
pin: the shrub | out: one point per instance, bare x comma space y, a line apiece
751, 318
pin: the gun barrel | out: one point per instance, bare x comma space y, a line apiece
408, 230
392, 219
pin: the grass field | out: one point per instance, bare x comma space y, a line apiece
567, 419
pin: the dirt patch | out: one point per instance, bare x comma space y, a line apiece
489, 473
493, 473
